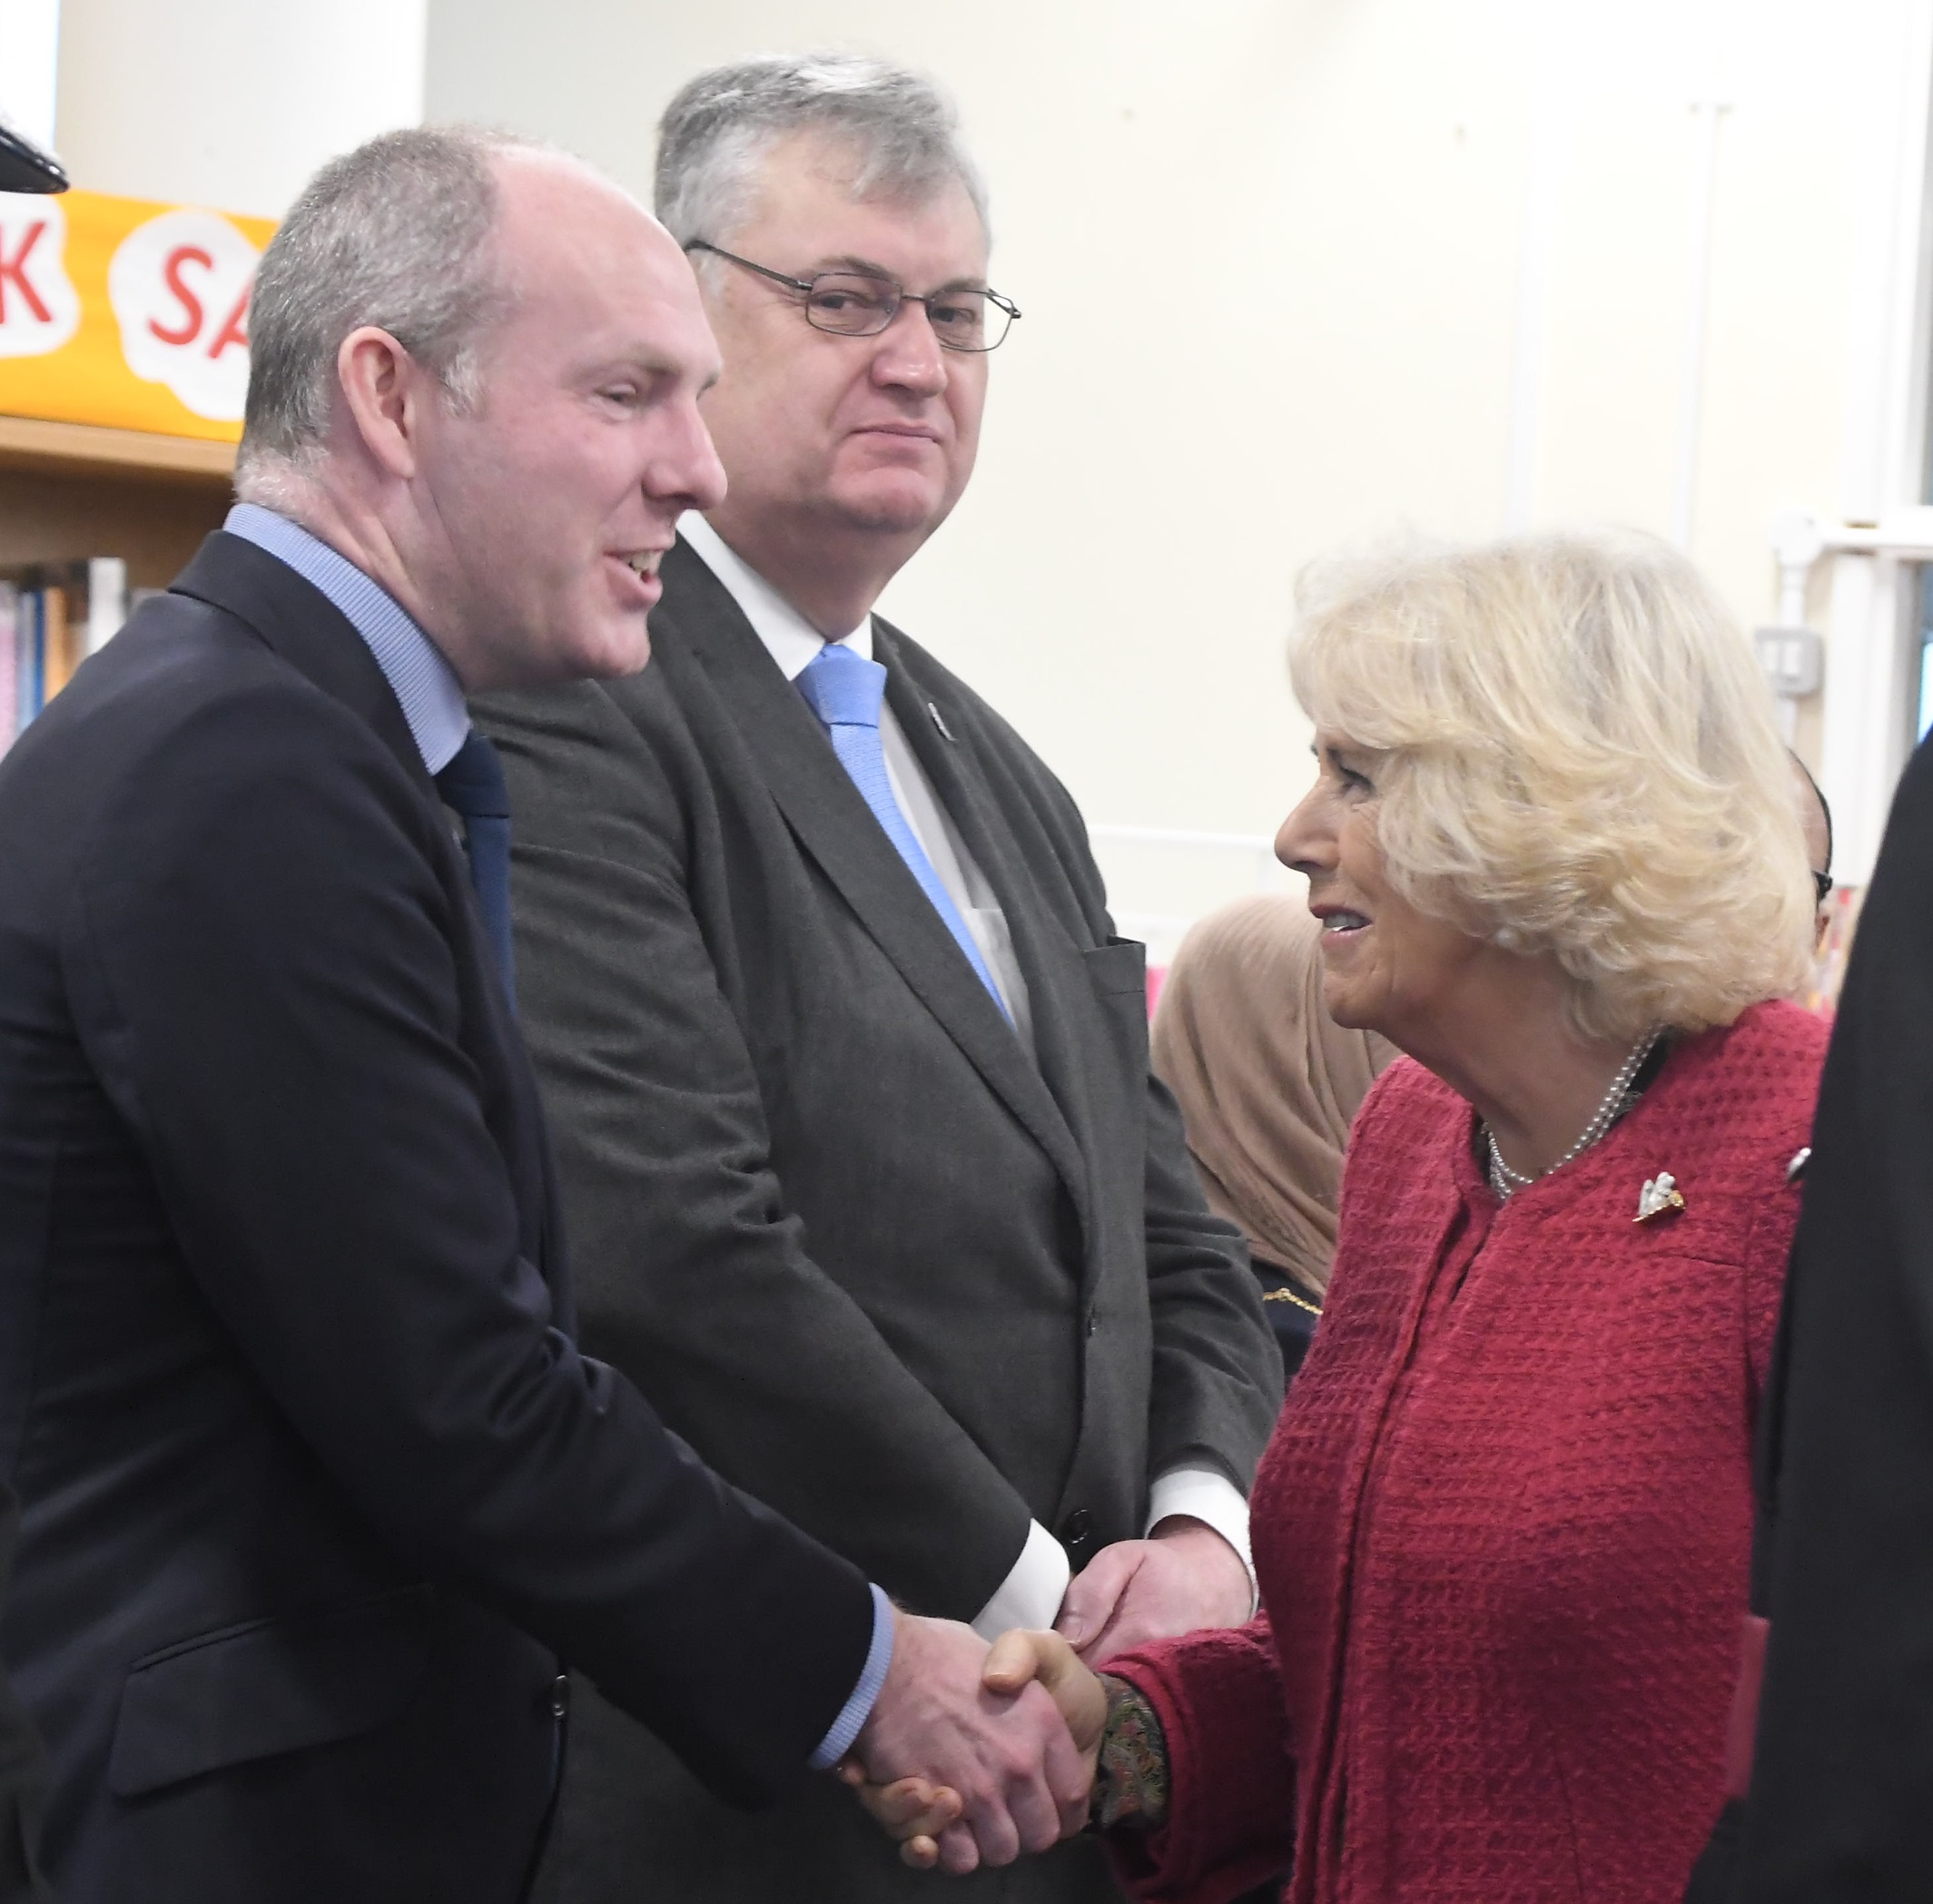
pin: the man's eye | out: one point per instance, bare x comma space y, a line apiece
843, 302
625, 393
962, 319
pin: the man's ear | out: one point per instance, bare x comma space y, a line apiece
384, 389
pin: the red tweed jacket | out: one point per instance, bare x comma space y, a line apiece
1503, 1529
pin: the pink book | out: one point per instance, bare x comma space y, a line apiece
9, 665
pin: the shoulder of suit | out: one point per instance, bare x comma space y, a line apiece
186, 687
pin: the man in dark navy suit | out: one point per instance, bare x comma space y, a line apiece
318, 1495
23, 167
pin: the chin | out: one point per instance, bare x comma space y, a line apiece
892, 509
604, 652
1341, 1009
627, 651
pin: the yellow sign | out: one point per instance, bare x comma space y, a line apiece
117, 312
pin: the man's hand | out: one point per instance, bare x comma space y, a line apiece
997, 1757
922, 1816
1183, 1577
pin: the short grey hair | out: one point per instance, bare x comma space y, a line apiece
396, 234
713, 134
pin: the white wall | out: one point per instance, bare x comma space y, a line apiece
1296, 272
1300, 272
230, 104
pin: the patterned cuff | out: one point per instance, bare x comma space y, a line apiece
858, 1709
1130, 1780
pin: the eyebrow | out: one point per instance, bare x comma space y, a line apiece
867, 268
654, 364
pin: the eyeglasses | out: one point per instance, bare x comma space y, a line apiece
858, 304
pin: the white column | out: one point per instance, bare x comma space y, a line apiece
29, 46
1868, 658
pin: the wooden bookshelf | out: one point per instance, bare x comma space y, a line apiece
71, 489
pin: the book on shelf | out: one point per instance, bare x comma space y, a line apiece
53, 615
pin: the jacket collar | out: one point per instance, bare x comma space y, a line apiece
301, 623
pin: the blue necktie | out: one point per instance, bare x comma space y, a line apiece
845, 691
472, 785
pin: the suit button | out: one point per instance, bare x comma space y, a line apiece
561, 1695
1077, 1532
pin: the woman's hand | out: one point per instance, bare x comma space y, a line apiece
923, 1817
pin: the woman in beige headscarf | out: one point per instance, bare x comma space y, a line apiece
1269, 1085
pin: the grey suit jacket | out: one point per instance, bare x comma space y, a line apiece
912, 1283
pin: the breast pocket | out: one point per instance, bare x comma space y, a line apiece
270, 1686
1119, 966
1118, 971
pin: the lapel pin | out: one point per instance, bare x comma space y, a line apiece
939, 722
1660, 1194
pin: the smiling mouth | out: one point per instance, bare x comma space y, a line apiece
1341, 922
643, 561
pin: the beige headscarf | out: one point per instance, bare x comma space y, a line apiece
1267, 1082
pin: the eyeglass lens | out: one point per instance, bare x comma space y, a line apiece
854, 306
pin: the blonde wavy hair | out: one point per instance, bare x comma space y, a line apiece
1577, 757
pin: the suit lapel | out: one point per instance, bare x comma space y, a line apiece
294, 618
834, 827
1049, 961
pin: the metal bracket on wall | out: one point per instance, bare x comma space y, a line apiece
1800, 539
1792, 654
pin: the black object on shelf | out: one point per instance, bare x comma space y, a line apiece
25, 167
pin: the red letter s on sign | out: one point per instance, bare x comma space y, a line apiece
190, 304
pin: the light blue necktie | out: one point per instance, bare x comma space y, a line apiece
845, 691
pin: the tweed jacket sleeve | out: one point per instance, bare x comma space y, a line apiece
1231, 1813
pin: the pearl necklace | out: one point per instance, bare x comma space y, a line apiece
1615, 1102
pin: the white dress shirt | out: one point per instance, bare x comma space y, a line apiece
1031, 1594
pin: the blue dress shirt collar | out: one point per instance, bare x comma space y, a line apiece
424, 684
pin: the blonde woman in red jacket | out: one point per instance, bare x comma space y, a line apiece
1502, 1532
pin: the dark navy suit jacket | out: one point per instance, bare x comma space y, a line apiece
317, 1490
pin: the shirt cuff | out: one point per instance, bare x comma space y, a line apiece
858, 1709
1205, 1496
1031, 1595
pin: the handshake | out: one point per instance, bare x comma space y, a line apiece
973, 1755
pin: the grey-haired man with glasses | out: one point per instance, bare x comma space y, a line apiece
866, 1178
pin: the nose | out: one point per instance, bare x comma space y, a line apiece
1306, 841
684, 470
909, 356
